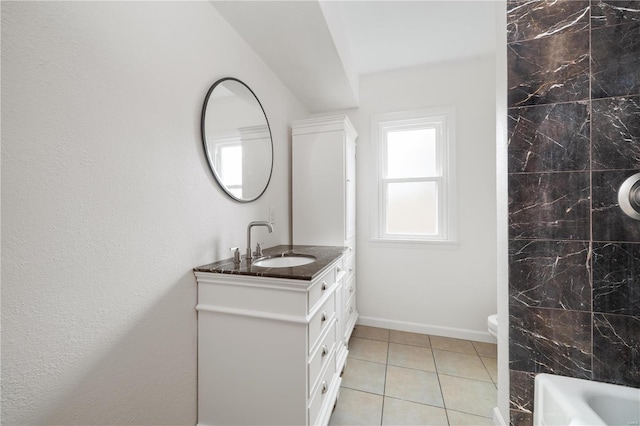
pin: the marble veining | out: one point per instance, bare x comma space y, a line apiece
609, 222
616, 133
615, 60
550, 341
325, 255
613, 12
550, 274
549, 206
520, 418
616, 349
551, 137
549, 69
536, 19
616, 278
521, 390
574, 137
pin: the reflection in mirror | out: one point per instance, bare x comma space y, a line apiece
237, 139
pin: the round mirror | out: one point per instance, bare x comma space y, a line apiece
237, 139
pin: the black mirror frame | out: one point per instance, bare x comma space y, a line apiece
204, 140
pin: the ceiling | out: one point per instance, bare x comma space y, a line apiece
319, 49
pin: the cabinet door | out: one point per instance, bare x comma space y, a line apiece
350, 188
318, 193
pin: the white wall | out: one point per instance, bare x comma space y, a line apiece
441, 290
108, 203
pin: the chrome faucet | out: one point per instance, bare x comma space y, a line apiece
251, 225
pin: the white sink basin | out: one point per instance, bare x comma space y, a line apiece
284, 261
568, 401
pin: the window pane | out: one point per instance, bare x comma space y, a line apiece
411, 153
231, 165
412, 208
231, 168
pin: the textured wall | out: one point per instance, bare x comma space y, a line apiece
574, 136
108, 204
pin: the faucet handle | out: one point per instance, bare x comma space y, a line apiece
258, 252
236, 254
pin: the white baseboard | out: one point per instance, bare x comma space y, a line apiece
458, 333
498, 420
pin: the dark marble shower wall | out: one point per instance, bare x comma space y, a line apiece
574, 136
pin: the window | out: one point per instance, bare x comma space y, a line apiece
228, 160
414, 176
231, 168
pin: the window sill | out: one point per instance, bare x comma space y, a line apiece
410, 243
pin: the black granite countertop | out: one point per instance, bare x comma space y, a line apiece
325, 255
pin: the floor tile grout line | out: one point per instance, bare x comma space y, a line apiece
396, 343
410, 368
437, 372
384, 387
429, 336
409, 344
416, 402
469, 378
471, 414
475, 349
367, 360
453, 352
360, 390
490, 379
487, 370
435, 364
466, 378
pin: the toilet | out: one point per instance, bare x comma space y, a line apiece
492, 323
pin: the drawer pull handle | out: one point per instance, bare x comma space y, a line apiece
324, 285
339, 269
325, 388
351, 310
325, 350
351, 289
350, 269
323, 317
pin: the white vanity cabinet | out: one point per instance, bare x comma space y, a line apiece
324, 202
267, 344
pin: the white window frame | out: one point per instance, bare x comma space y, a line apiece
443, 120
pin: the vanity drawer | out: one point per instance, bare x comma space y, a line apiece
350, 290
350, 244
350, 309
321, 320
321, 356
350, 266
350, 317
339, 267
322, 391
322, 285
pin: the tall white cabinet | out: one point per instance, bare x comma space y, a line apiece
324, 202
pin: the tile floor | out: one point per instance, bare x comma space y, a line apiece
399, 378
